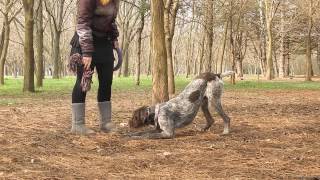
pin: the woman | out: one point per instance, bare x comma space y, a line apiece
96, 36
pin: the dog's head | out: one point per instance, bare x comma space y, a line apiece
141, 117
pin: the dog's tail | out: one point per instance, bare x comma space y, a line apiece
227, 73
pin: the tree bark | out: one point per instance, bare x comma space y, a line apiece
170, 13
4, 50
318, 56
56, 54
142, 12
202, 52
28, 47
263, 41
270, 73
57, 14
40, 45
159, 54
149, 70
282, 45
225, 34
308, 44
239, 68
138, 63
209, 34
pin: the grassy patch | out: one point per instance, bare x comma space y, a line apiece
275, 85
7, 101
52, 87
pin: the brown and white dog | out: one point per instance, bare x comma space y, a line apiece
203, 92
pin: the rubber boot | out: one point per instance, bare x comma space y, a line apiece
106, 125
78, 120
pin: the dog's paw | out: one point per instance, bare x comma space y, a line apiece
202, 128
226, 131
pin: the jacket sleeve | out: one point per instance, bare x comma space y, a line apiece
84, 30
114, 31
114, 27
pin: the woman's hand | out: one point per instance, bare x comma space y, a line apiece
87, 62
116, 44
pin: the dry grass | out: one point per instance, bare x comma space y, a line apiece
275, 134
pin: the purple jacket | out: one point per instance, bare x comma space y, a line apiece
95, 18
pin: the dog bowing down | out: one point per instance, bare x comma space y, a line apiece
203, 92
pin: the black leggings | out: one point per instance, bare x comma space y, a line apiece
105, 75
103, 61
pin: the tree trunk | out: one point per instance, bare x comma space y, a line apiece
171, 83
159, 54
270, 72
202, 51
318, 56
189, 54
124, 71
225, 34
4, 50
239, 68
308, 44
262, 42
170, 13
209, 34
138, 67
275, 64
149, 70
40, 47
28, 47
56, 55
282, 46
125, 68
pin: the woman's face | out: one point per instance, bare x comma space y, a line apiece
105, 2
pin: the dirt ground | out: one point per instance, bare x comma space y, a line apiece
275, 135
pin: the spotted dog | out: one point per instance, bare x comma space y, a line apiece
203, 92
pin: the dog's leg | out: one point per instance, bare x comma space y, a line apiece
224, 116
207, 114
156, 134
144, 132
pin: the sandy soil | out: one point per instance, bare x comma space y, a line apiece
275, 135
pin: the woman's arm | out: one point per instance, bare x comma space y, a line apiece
85, 15
114, 32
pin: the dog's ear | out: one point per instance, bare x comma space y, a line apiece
137, 119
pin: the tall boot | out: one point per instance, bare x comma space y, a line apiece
105, 116
78, 120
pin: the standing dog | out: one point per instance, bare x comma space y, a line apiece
203, 92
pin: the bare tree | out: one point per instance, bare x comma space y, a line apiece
39, 43
28, 47
170, 13
143, 9
9, 13
309, 41
209, 13
128, 19
271, 7
58, 11
159, 54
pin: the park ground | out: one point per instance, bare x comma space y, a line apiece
274, 135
